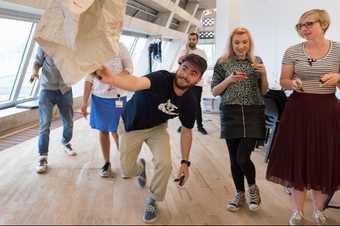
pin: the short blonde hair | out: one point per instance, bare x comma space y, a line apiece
229, 48
318, 14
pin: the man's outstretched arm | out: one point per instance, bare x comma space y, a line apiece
123, 79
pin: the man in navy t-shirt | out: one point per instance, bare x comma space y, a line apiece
159, 97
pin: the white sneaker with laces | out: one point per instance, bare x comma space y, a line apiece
296, 218
235, 204
106, 170
254, 198
69, 150
319, 217
42, 164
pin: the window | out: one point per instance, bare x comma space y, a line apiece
127, 41
156, 65
28, 88
138, 50
13, 43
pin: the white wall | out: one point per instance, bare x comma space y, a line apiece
227, 18
272, 25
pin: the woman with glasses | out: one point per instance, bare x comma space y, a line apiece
240, 79
306, 151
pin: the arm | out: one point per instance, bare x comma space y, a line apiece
263, 73
39, 61
123, 80
219, 89
186, 141
264, 84
287, 81
220, 81
126, 59
86, 96
330, 79
35, 73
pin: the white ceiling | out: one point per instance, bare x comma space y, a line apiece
207, 4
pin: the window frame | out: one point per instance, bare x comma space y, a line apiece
22, 66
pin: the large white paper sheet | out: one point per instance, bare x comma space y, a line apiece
80, 35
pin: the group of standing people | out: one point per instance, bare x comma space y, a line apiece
306, 149
305, 152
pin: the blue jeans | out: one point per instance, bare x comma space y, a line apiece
47, 100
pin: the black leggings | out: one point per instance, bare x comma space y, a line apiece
241, 165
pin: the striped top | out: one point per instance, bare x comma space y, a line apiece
309, 70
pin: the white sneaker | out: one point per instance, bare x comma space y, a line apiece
42, 164
296, 218
254, 198
69, 150
319, 217
235, 204
106, 170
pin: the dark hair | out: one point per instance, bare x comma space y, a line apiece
196, 60
194, 33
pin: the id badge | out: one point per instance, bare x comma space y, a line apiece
119, 104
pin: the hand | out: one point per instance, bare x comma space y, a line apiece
329, 79
183, 175
297, 85
83, 110
260, 68
103, 74
34, 76
237, 76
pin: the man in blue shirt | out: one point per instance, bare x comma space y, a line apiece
53, 91
159, 97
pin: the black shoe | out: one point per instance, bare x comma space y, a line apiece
179, 129
202, 130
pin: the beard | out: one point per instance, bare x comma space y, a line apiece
181, 86
192, 45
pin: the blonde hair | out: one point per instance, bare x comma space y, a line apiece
229, 48
318, 14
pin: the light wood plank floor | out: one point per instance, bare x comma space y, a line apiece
73, 193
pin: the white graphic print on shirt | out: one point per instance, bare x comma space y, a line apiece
168, 108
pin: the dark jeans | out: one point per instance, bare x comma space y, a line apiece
47, 100
197, 91
241, 165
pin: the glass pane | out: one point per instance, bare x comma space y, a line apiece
27, 88
127, 40
137, 52
12, 40
161, 65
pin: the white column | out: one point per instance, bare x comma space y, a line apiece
227, 18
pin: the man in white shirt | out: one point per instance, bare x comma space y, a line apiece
191, 48
107, 104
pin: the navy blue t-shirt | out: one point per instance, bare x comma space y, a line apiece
154, 106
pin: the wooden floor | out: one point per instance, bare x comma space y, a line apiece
73, 193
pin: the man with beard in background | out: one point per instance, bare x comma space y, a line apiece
197, 89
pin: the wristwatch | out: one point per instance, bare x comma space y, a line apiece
187, 162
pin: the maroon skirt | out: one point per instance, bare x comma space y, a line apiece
306, 151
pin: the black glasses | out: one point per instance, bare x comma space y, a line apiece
308, 25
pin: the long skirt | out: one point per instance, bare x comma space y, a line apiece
306, 151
